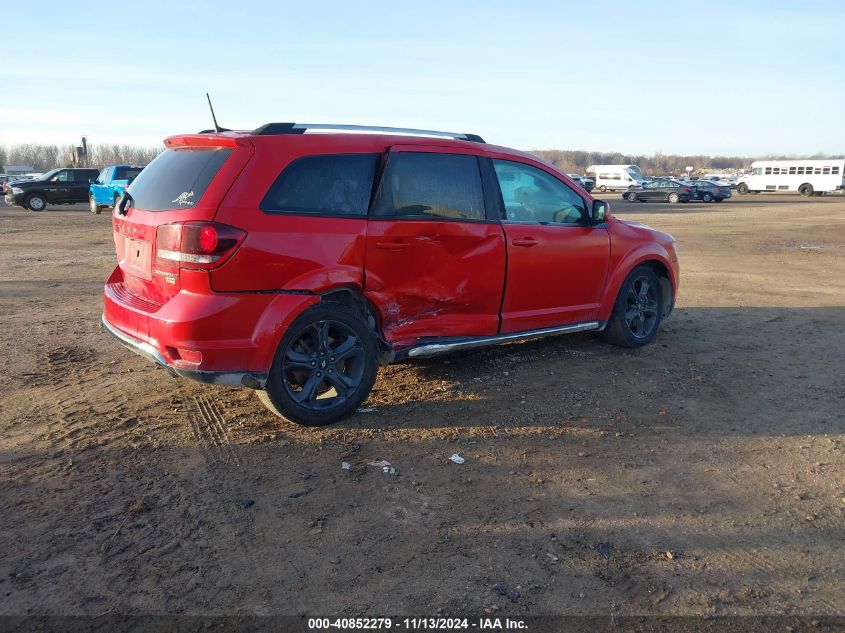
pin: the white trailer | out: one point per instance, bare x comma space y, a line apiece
807, 177
615, 177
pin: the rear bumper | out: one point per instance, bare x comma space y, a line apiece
253, 380
211, 337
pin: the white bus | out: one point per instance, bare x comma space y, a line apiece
807, 177
615, 177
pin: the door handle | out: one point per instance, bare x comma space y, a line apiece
392, 246
528, 242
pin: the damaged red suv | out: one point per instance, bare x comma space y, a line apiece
294, 260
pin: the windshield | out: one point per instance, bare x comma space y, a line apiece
634, 172
48, 175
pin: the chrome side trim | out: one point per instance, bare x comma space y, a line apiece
377, 128
433, 349
252, 380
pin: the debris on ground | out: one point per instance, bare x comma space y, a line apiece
457, 458
346, 465
245, 503
553, 557
604, 549
299, 493
386, 467
367, 410
499, 588
305, 473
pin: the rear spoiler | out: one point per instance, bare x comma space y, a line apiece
205, 140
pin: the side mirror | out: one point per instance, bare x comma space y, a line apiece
600, 211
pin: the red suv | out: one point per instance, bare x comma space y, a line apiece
295, 261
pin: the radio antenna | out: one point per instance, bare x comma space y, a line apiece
213, 118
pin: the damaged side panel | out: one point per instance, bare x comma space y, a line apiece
435, 278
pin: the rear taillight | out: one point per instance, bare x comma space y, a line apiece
196, 245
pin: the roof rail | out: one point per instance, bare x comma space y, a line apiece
270, 129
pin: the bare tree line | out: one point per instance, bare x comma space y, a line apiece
577, 161
43, 157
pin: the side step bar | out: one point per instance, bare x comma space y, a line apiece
433, 349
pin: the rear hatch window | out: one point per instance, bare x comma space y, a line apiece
177, 178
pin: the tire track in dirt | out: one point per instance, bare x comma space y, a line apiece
209, 427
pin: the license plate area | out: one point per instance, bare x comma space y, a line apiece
137, 258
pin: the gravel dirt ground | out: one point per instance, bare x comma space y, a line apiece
702, 474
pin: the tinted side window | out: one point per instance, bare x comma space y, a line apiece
532, 195
423, 184
177, 178
330, 184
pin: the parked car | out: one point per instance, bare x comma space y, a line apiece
110, 185
59, 186
294, 263
5, 184
707, 191
726, 179
663, 189
587, 183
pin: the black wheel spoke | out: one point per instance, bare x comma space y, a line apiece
342, 383
309, 389
347, 349
297, 360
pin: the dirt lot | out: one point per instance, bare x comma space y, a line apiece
700, 475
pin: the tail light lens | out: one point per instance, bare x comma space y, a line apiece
196, 245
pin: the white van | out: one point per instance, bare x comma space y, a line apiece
615, 177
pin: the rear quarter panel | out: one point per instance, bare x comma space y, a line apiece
285, 251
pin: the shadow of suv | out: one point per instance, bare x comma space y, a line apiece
294, 262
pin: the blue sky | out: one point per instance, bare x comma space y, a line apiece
744, 78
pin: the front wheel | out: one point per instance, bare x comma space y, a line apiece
673, 197
637, 311
602, 188
706, 197
92, 204
324, 367
806, 189
742, 188
36, 202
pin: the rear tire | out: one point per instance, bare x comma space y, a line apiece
631, 196
706, 197
602, 188
328, 349
637, 311
673, 197
742, 188
36, 202
92, 204
806, 189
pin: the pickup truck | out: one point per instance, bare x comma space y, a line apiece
112, 181
58, 186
